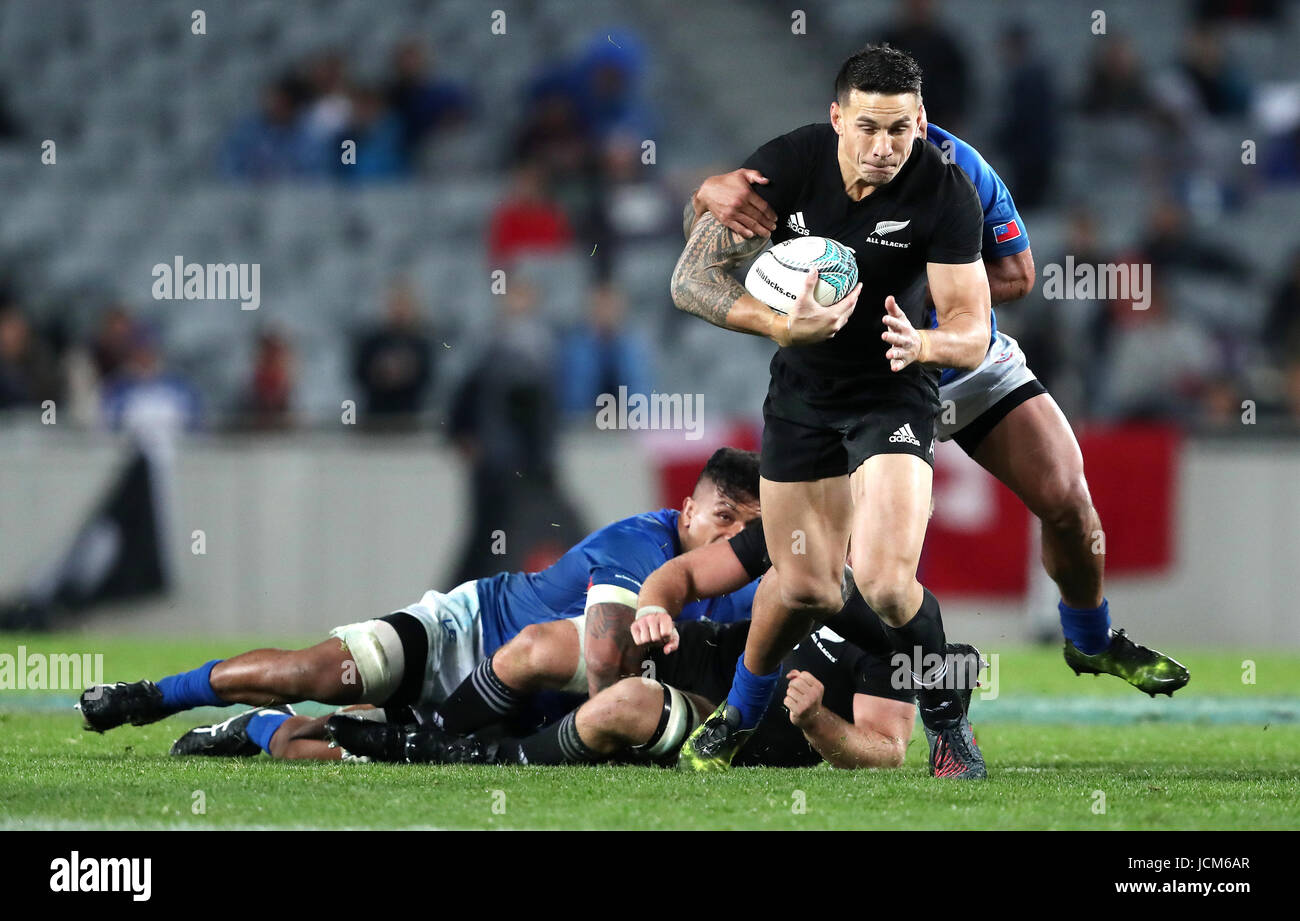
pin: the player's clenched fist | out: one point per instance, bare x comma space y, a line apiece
655, 629
906, 344
809, 322
803, 697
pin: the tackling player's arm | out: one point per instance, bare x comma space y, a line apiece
859, 744
730, 198
705, 572
1010, 277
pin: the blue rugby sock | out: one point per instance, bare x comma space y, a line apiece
750, 693
1087, 628
263, 726
190, 689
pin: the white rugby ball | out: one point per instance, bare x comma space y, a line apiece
777, 276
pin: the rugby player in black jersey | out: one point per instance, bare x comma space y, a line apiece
1005, 419
849, 420
843, 700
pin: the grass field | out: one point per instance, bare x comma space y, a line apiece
1222, 754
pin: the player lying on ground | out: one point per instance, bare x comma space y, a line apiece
864, 717
839, 702
1003, 417
849, 426
843, 699
422, 653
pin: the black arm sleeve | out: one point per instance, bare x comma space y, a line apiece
750, 548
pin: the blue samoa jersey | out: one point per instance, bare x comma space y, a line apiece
1004, 230
622, 554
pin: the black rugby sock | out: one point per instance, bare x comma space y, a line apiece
558, 743
481, 700
922, 641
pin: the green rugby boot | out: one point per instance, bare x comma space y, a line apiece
1146, 669
714, 742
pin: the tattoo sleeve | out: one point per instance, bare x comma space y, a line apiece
609, 644
688, 217
702, 284
607, 620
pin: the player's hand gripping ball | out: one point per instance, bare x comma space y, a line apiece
777, 276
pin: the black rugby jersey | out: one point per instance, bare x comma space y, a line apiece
929, 212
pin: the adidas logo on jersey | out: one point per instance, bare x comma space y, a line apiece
904, 436
796, 223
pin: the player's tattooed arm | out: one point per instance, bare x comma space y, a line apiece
609, 646
689, 215
702, 284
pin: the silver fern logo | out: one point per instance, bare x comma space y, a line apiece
885, 227
888, 227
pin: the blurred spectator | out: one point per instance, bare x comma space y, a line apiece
111, 345
379, 136
504, 420
1030, 132
274, 142
1219, 84
28, 371
328, 99
528, 219
553, 134
601, 354
1116, 84
635, 204
946, 77
607, 85
145, 399
504, 412
1280, 335
424, 102
393, 363
268, 401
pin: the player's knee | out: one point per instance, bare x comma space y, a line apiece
888, 590
522, 663
818, 598
1065, 503
627, 710
531, 650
